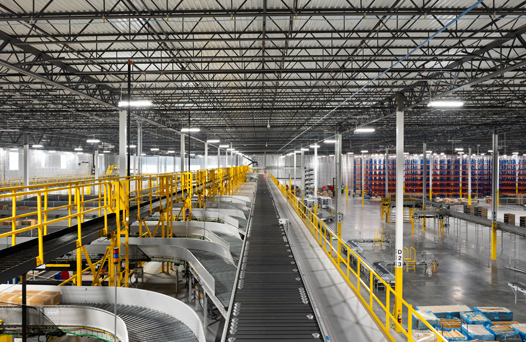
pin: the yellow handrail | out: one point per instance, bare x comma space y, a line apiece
112, 195
353, 275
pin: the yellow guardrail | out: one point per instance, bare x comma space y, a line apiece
112, 196
50, 180
354, 274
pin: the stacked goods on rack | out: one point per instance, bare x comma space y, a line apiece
450, 323
423, 336
505, 333
495, 313
428, 316
445, 311
454, 335
32, 298
521, 328
477, 332
509, 218
474, 317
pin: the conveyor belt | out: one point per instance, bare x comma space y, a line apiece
148, 325
270, 303
21, 258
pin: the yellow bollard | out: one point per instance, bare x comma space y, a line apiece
346, 192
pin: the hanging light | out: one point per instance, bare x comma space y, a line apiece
154, 149
190, 129
314, 146
213, 141
364, 130
76, 148
135, 103
448, 104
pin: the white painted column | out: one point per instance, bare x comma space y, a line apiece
494, 195
338, 173
182, 152
206, 155
386, 172
294, 170
218, 157
399, 235
315, 165
139, 147
424, 177
159, 164
469, 176
96, 163
363, 175
302, 170
25, 166
430, 176
122, 144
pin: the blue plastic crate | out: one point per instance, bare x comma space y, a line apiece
474, 317
495, 313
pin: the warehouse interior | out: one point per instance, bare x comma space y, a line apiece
275, 170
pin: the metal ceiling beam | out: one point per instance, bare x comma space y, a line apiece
257, 13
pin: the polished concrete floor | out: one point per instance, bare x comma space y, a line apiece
466, 274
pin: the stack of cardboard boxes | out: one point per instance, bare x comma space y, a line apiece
32, 298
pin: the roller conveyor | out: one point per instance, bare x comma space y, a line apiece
146, 324
21, 258
270, 303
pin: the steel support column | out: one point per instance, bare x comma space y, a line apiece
386, 172
96, 163
294, 192
25, 166
469, 176
182, 152
494, 190
315, 165
206, 156
399, 237
363, 179
302, 171
122, 143
139, 147
218, 157
338, 176
424, 183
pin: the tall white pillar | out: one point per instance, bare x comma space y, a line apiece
206, 155
315, 165
218, 157
139, 147
424, 176
363, 176
399, 235
494, 195
96, 163
294, 170
122, 144
338, 173
469, 176
25, 166
159, 164
182, 152
386, 172
302, 171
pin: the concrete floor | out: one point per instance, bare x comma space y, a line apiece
466, 274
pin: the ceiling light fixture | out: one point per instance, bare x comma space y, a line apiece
364, 130
76, 148
314, 146
224, 146
135, 103
330, 141
213, 141
154, 149
37, 146
108, 151
190, 129
350, 152
364, 151
448, 104
93, 141
459, 149
170, 151
304, 149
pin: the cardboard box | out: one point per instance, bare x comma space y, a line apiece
4, 207
39, 300
53, 295
31, 222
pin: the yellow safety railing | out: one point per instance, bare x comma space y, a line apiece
49, 180
111, 196
340, 255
